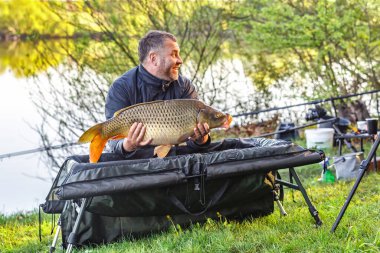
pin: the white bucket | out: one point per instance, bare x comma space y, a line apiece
319, 138
362, 125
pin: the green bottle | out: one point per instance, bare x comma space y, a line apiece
328, 177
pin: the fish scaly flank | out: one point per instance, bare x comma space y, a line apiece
167, 122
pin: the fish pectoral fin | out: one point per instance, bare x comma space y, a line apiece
162, 150
118, 137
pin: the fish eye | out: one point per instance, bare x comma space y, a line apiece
218, 115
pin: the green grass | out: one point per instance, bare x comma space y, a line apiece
359, 230
19, 233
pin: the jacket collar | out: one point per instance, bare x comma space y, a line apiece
152, 80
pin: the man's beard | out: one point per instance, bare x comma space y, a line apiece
173, 74
169, 73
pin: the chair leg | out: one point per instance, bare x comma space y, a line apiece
72, 240
280, 206
313, 211
54, 243
59, 226
291, 181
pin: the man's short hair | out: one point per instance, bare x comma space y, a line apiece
153, 40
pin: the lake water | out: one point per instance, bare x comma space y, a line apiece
24, 180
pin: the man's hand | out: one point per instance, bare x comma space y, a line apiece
201, 132
135, 137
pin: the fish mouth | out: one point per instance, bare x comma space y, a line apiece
227, 122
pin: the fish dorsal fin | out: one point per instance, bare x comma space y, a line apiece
120, 111
152, 102
132, 106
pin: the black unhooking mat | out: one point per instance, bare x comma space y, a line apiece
134, 197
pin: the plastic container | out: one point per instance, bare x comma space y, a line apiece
362, 125
372, 125
319, 138
328, 177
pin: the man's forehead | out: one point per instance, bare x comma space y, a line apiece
171, 45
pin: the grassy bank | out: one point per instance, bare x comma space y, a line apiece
19, 233
358, 231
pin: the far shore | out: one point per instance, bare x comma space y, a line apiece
6, 36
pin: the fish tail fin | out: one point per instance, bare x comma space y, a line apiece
96, 148
94, 135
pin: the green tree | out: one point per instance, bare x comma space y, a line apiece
331, 47
32, 18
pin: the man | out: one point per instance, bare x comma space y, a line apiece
156, 78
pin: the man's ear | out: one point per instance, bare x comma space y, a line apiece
153, 58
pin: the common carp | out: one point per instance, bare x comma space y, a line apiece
167, 122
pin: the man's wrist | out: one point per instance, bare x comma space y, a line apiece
126, 148
203, 140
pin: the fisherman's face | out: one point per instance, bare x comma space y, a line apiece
169, 61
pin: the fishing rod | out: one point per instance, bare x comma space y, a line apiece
41, 149
296, 128
332, 99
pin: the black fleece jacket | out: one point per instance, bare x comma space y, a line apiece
139, 86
